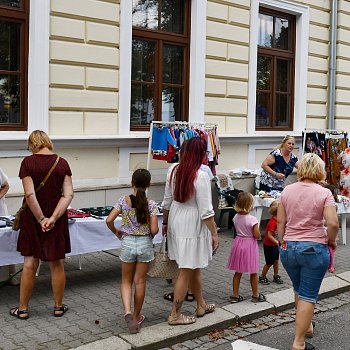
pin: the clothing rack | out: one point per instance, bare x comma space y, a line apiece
322, 131
329, 131
207, 126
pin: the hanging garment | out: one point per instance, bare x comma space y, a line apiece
335, 145
161, 137
344, 183
315, 142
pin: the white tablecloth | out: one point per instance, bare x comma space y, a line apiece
343, 208
86, 235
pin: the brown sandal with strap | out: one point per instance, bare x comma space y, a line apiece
181, 320
205, 309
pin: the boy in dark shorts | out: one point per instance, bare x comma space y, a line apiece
271, 248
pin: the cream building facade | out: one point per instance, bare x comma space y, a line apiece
79, 87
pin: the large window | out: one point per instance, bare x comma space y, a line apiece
275, 71
160, 61
14, 19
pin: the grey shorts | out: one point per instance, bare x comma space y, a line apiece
137, 248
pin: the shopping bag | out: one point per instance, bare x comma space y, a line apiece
162, 266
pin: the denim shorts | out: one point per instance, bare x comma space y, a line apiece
306, 264
136, 248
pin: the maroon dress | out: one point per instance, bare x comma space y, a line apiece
32, 241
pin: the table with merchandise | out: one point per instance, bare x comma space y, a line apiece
87, 235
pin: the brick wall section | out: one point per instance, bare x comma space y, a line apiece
84, 67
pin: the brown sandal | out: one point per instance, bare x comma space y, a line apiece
181, 320
205, 309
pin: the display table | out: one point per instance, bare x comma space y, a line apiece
87, 235
343, 208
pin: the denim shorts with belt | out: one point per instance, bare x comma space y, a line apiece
137, 248
306, 264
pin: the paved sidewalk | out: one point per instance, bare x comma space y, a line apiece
96, 311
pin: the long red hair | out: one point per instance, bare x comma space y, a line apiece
186, 172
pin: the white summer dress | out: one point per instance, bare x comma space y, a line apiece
189, 239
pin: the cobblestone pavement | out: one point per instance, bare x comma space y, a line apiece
222, 339
93, 297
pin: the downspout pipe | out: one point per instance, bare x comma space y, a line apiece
332, 64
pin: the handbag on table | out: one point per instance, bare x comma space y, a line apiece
162, 266
16, 222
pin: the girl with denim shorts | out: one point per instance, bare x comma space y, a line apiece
139, 226
304, 208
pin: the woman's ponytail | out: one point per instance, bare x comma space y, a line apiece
141, 180
141, 207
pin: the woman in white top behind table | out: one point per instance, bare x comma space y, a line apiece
188, 222
5, 271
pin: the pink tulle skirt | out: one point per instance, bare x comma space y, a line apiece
244, 256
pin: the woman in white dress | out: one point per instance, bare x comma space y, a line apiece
189, 224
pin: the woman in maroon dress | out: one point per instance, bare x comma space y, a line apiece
44, 231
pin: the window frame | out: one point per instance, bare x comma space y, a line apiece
162, 38
19, 15
302, 13
197, 67
276, 54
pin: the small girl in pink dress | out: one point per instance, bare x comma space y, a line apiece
244, 256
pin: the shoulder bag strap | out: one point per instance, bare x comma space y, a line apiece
42, 183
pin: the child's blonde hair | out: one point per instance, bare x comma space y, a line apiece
273, 208
244, 203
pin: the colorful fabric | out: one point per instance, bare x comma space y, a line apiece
315, 142
160, 139
334, 147
345, 173
130, 225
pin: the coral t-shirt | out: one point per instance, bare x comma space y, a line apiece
304, 204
